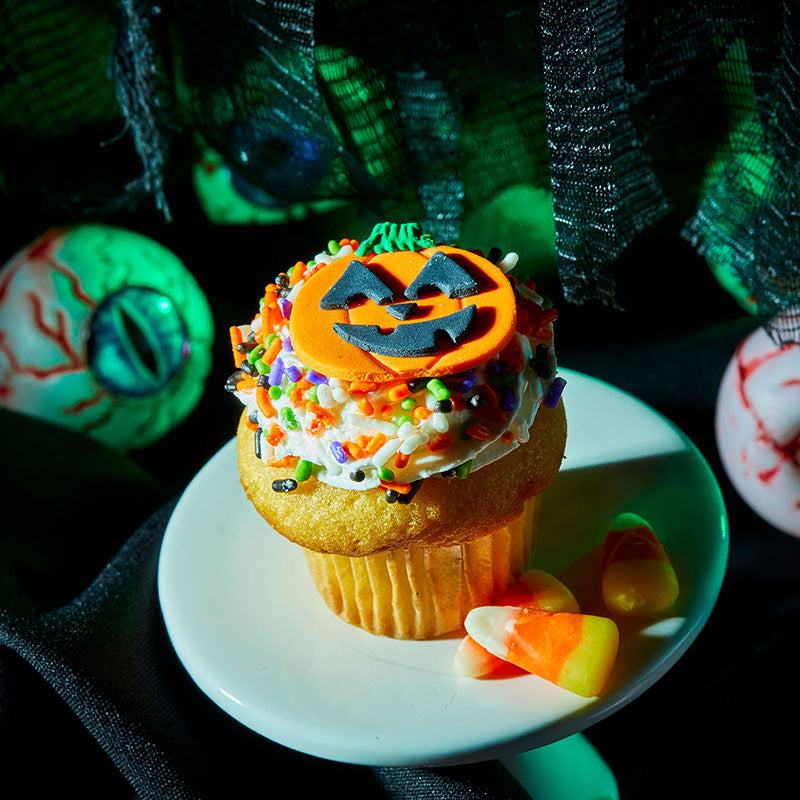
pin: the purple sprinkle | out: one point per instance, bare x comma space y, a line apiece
293, 373
276, 372
461, 383
507, 399
338, 452
315, 377
285, 307
287, 345
554, 392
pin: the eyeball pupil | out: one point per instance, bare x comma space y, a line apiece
137, 342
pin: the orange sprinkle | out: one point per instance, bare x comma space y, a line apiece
246, 383
275, 434
375, 443
362, 387
316, 426
319, 410
439, 442
387, 410
457, 399
421, 412
296, 396
264, 403
365, 407
362, 441
398, 392
400, 460
507, 437
236, 338
253, 426
354, 452
272, 351
297, 273
286, 461
402, 488
478, 432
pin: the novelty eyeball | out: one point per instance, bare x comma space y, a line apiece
103, 331
228, 199
758, 428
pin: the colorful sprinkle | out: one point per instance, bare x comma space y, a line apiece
554, 393
303, 470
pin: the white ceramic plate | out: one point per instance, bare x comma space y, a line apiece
249, 627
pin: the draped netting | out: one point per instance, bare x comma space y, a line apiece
617, 114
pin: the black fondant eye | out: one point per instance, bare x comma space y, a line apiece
446, 275
356, 281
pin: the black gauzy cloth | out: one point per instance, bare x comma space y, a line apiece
92, 695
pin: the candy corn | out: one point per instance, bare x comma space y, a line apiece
574, 651
637, 577
535, 589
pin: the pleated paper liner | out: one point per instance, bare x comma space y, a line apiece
423, 592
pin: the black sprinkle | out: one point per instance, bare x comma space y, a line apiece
233, 379
357, 476
495, 254
247, 347
257, 439
285, 485
445, 406
476, 401
247, 367
449, 473
405, 499
392, 495
417, 384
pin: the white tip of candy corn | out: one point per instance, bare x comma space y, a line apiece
487, 625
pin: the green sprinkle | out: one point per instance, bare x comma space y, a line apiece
312, 394
385, 474
302, 471
261, 367
268, 340
438, 389
408, 404
333, 247
288, 418
255, 354
400, 421
546, 303
275, 392
462, 470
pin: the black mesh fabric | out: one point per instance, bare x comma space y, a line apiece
424, 111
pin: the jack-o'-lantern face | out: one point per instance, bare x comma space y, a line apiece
401, 314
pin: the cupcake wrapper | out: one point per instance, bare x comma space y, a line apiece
423, 592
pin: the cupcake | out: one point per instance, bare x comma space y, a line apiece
402, 417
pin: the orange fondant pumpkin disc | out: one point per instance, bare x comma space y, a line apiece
402, 314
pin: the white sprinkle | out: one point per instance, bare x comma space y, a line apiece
372, 424
324, 396
386, 452
406, 429
508, 262
413, 442
440, 422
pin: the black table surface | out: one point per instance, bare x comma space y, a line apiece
720, 721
